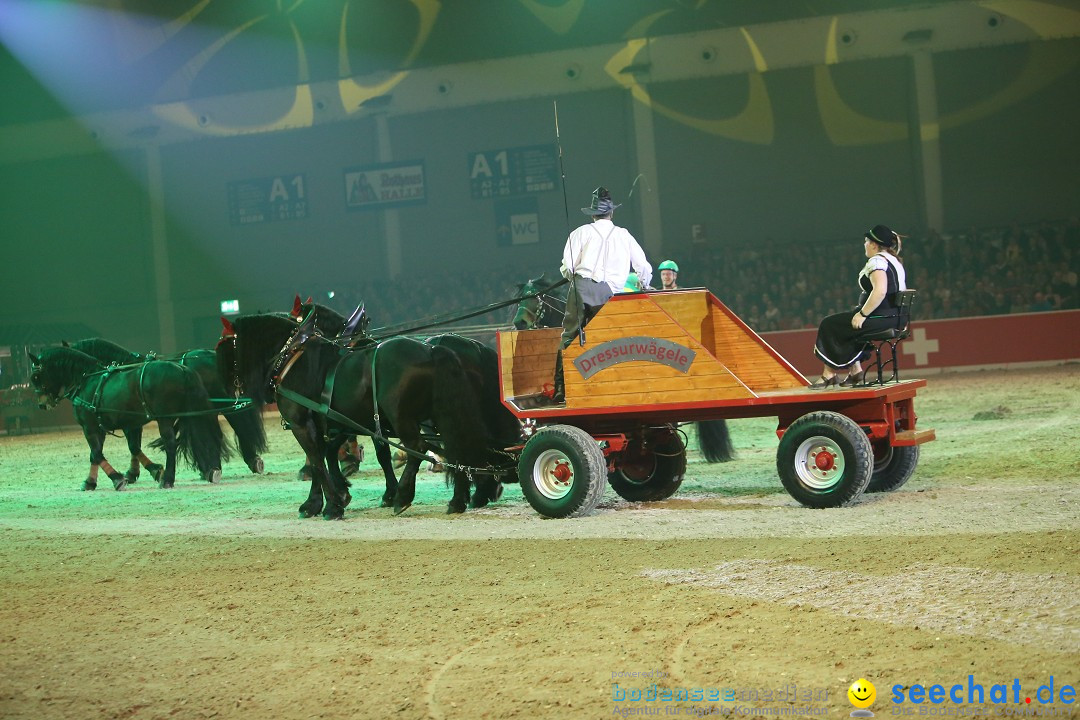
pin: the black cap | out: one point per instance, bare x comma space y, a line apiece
883, 236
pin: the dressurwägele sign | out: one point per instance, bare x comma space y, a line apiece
628, 349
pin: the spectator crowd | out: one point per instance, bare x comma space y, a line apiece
786, 286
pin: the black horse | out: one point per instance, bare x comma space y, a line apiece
546, 309
326, 392
540, 309
332, 324
125, 398
247, 423
480, 362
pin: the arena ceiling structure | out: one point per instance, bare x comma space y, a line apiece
126, 125
79, 76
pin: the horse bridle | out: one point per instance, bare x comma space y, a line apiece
545, 303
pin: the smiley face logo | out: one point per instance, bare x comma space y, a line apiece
862, 693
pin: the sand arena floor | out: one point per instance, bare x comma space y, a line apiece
215, 601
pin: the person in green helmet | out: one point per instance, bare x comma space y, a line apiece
669, 273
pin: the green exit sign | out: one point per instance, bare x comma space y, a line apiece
230, 307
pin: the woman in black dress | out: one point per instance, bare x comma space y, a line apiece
838, 343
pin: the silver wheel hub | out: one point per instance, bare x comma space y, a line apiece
553, 474
819, 462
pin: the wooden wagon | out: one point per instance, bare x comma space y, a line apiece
653, 360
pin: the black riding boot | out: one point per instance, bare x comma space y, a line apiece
559, 393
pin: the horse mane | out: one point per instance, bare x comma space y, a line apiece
329, 322
106, 351
68, 361
260, 338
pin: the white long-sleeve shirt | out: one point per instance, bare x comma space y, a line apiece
605, 252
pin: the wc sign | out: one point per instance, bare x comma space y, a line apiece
517, 221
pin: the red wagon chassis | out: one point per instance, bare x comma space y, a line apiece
653, 360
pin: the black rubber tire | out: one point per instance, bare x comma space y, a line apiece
650, 474
572, 452
841, 476
893, 466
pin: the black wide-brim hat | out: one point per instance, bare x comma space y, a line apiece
602, 203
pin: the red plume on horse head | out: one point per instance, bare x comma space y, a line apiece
228, 330
297, 307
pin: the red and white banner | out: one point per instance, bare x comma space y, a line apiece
978, 342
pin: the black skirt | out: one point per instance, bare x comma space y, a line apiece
838, 344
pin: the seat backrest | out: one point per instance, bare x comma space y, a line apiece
904, 300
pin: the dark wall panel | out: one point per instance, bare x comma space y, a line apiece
1010, 149
76, 247
798, 186
264, 264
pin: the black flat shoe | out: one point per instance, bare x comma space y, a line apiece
824, 382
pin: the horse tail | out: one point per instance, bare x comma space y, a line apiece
715, 441
199, 439
250, 431
201, 443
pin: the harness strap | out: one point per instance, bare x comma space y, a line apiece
390, 331
276, 381
141, 393
92, 406
331, 414
375, 391
328, 386
96, 402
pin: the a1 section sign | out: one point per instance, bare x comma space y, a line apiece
267, 199
512, 171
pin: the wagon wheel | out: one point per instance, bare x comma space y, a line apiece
825, 460
562, 472
653, 470
893, 466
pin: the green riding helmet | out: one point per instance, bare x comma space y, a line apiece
669, 265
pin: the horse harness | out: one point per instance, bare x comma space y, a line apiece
547, 302
291, 352
94, 405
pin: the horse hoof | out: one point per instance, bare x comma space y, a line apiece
89, 485
334, 515
257, 465
214, 476
131, 477
120, 485
156, 471
454, 509
349, 468
401, 509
